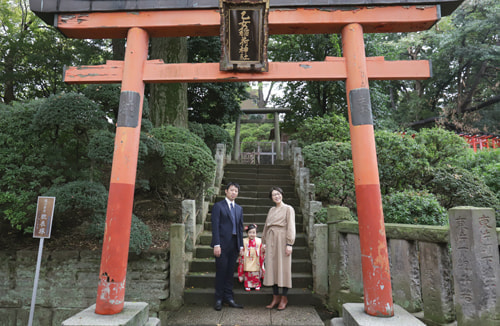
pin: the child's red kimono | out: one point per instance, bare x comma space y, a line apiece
251, 264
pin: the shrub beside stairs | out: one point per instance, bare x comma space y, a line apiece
255, 182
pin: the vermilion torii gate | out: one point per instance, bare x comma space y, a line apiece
79, 19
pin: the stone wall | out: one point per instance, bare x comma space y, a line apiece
68, 284
424, 279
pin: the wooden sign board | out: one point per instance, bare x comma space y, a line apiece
244, 35
43, 219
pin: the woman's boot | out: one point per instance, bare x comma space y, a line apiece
283, 302
276, 300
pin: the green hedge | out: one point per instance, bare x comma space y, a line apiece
140, 235
171, 134
188, 169
77, 202
330, 127
413, 207
320, 155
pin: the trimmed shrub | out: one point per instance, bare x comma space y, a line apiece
319, 156
140, 235
187, 168
217, 135
68, 114
455, 186
413, 207
442, 146
101, 146
330, 127
171, 134
249, 145
77, 202
485, 163
17, 207
336, 185
197, 129
401, 162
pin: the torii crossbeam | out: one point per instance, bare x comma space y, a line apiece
353, 67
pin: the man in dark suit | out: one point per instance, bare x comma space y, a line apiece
227, 241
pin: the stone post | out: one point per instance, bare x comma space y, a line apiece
219, 164
292, 144
336, 274
277, 136
236, 145
298, 162
406, 281
286, 152
200, 203
189, 216
476, 267
314, 207
319, 263
177, 273
437, 287
303, 189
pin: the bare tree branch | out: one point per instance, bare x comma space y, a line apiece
491, 101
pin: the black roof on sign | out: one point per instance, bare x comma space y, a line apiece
47, 8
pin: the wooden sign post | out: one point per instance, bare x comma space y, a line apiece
43, 227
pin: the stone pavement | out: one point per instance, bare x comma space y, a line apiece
250, 315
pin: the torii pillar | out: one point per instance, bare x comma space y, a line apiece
353, 67
114, 259
377, 287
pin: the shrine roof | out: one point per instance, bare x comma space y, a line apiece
46, 9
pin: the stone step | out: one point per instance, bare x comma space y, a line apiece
260, 224
261, 202
271, 175
203, 251
251, 216
296, 296
203, 265
207, 280
264, 194
256, 167
287, 188
259, 182
260, 209
205, 315
205, 238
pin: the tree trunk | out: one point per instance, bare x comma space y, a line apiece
9, 95
168, 102
118, 48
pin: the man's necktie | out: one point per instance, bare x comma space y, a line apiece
233, 218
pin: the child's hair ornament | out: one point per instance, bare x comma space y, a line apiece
250, 227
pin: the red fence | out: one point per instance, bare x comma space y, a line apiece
482, 141
476, 141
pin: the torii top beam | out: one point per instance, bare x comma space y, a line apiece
70, 16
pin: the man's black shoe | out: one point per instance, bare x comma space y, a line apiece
233, 304
218, 305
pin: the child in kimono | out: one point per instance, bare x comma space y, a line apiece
251, 264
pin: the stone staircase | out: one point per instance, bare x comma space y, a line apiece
255, 182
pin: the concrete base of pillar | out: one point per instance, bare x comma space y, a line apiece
133, 314
353, 314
